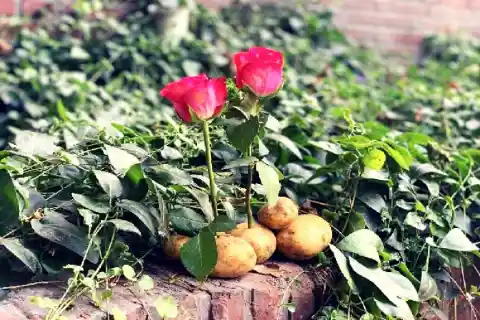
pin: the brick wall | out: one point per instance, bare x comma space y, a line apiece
394, 26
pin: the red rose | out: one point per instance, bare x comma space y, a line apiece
260, 69
198, 95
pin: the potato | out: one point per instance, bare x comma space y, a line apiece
242, 226
173, 245
262, 240
305, 237
236, 257
280, 215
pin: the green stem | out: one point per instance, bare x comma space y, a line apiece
211, 174
248, 195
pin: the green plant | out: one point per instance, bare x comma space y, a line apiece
390, 157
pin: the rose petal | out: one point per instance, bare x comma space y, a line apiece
183, 112
265, 55
262, 78
175, 91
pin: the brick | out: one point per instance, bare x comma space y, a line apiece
9, 311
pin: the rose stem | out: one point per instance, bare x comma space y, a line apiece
211, 174
248, 196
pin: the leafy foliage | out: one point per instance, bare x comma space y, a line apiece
389, 157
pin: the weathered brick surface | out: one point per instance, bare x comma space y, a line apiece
256, 296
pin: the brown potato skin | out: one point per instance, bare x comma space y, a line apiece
262, 240
305, 237
280, 215
236, 257
173, 245
240, 227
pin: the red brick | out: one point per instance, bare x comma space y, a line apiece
8, 311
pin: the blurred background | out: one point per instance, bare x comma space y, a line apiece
395, 27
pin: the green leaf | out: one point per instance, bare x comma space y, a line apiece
118, 314
290, 306
89, 218
170, 153
428, 287
78, 53
364, 243
374, 159
414, 220
199, 254
415, 138
358, 142
286, 142
129, 272
89, 203
229, 210
109, 183
62, 111
270, 181
166, 307
9, 206
166, 174
16, 247
343, 266
392, 285
420, 169
222, 224
328, 146
243, 162
399, 309
55, 228
402, 160
120, 160
125, 226
373, 200
141, 212
146, 283
135, 173
32, 143
456, 240
204, 201
187, 220
191, 68
242, 135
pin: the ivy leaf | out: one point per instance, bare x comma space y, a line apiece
146, 283
166, 307
120, 159
204, 201
403, 160
118, 314
89, 203
170, 153
199, 254
428, 287
286, 142
374, 159
16, 247
399, 309
166, 174
141, 212
414, 220
187, 220
129, 272
328, 146
364, 243
9, 206
222, 224
270, 181
243, 162
420, 169
392, 285
109, 183
456, 240
55, 228
343, 266
373, 200
125, 226
241, 136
